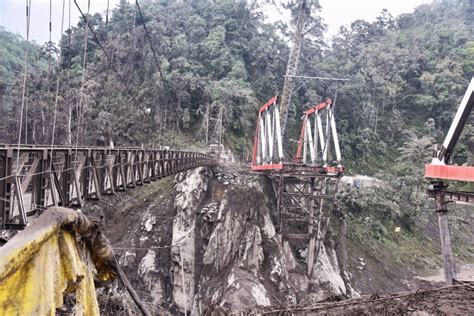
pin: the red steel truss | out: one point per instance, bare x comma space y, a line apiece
313, 145
267, 147
304, 187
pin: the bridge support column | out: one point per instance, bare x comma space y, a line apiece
302, 212
438, 190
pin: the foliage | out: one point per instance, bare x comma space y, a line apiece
404, 71
210, 53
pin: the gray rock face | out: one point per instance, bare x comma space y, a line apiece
190, 194
244, 264
225, 253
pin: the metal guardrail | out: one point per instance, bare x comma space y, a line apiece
33, 178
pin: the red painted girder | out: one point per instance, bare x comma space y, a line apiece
449, 172
276, 166
318, 107
334, 170
268, 104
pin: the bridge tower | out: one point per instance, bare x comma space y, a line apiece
292, 66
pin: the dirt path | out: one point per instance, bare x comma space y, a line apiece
465, 273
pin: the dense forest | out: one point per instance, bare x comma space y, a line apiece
407, 75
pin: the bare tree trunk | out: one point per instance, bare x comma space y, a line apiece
34, 131
377, 118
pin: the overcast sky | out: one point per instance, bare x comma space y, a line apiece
334, 12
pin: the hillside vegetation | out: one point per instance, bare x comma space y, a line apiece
407, 75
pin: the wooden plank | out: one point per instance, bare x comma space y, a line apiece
449, 271
308, 195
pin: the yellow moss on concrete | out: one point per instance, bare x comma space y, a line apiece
39, 265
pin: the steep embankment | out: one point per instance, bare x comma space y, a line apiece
225, 253
390, 251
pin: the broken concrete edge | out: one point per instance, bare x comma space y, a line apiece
15, 253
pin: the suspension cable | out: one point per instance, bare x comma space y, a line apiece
69, 23
146, 70
26, 100
57, 89
165, 83
133, 40
129, 91
25, 78
69, 118
107, 16
49, 51
81, 96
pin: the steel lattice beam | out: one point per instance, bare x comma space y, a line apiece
33, 178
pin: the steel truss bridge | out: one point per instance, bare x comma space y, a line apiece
33, 178
305, 186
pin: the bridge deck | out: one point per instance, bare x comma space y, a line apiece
33, 178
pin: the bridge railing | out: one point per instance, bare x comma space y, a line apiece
34, 178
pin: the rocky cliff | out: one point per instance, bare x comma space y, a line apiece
205, 241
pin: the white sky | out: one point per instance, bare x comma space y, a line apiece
343, 12
334, 12
12, 16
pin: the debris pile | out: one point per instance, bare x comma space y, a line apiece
448, 300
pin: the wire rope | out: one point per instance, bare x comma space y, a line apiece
127, 88
165, 83
27, 100
69, 118
25, 78
107, 16
57, 88
49, 52
84, 65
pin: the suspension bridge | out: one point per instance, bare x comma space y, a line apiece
40, 185
35, 177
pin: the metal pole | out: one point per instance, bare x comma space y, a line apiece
312, 234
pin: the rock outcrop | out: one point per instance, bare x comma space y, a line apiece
223, 250
231, 256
